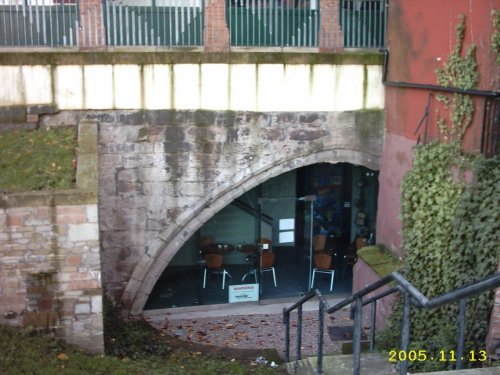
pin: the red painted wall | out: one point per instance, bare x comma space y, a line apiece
421, 36
364, 275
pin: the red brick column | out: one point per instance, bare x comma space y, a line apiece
331, 37
216, 32
91, 34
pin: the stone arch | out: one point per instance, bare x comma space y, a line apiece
155, 260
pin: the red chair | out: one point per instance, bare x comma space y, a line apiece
323, 264
267, 263
214, 264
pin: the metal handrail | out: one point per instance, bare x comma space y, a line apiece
412, 296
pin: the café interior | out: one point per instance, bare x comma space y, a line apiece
293, 233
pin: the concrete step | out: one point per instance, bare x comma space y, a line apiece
371, 364
479, 371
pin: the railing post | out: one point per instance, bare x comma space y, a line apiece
461, 333
299, 333
331, 37
91, 33
405, 333
321, 325
286, 322
215, 32
356, 337
373, 325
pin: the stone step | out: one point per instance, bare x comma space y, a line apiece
371, 364
478, 371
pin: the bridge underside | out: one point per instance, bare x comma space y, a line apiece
163, 174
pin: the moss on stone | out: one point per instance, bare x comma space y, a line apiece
369, 124
380, 259
47, 198
141, 57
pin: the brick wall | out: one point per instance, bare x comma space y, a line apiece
50, 262
331, 37
91, 29
216, 32
50, 268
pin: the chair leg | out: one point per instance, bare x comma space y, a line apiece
223, 278
274, 277
344, 271
204, 278
331, 282
312, 281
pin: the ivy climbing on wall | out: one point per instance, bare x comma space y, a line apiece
450, 227
459, 71
495, 38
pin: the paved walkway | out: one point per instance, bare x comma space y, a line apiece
253, 326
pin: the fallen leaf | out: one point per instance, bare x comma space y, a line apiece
62, 357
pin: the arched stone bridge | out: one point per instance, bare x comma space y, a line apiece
183, 134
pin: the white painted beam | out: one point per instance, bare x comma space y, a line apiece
218, 87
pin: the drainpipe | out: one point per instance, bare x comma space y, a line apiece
455, 90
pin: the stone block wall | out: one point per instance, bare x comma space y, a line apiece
165, 173
50, 265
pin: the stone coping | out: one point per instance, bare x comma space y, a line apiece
48, 198
380, 259
141, 56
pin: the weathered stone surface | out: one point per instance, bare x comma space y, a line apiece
56, 247
164, 173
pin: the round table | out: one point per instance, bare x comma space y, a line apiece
218, 248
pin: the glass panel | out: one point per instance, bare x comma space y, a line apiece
290, 266
344, 206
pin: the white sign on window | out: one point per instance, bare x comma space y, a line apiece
286, 237
287, 224
243, 293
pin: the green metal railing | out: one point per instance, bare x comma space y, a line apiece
251, 23
273, 23
170, 24
38, 23
363, 23
411, 297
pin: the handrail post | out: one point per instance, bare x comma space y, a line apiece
373, 325
299, 333
321, 325
411, 295
286, 322
405, 333
461, 333
356, 339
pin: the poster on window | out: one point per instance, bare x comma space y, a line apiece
243, 293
